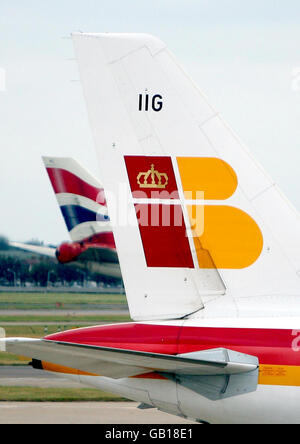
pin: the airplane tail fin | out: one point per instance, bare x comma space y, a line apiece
209, 221
80, 197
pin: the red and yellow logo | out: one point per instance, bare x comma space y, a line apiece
224, 237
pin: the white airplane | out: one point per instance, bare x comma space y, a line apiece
214, 299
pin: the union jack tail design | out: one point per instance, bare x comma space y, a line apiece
81, 198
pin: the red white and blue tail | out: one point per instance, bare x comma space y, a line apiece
80, 196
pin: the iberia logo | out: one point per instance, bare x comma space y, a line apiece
223, 236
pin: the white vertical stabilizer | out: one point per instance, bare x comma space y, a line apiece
142, 105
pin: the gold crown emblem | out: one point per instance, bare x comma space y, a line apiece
158, 180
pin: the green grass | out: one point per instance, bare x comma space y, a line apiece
60, 318
8, 359
46, 301
33, 394
35, 331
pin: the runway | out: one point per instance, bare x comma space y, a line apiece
83, 413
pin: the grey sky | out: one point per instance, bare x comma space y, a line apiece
241, 53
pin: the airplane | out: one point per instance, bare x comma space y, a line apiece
215, 299
81, 199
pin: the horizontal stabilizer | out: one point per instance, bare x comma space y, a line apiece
118, 363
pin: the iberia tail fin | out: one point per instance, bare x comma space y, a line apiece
209, 220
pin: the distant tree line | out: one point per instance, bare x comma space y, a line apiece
31, 269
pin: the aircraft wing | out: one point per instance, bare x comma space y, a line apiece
120, 363
43, 251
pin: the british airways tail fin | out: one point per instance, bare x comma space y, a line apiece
228, 228
80, 196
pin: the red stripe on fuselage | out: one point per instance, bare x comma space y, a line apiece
141, 337
269, 345
272, 347
65, 182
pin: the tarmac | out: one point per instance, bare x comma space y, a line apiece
83, 413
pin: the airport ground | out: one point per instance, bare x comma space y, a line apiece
83, 413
